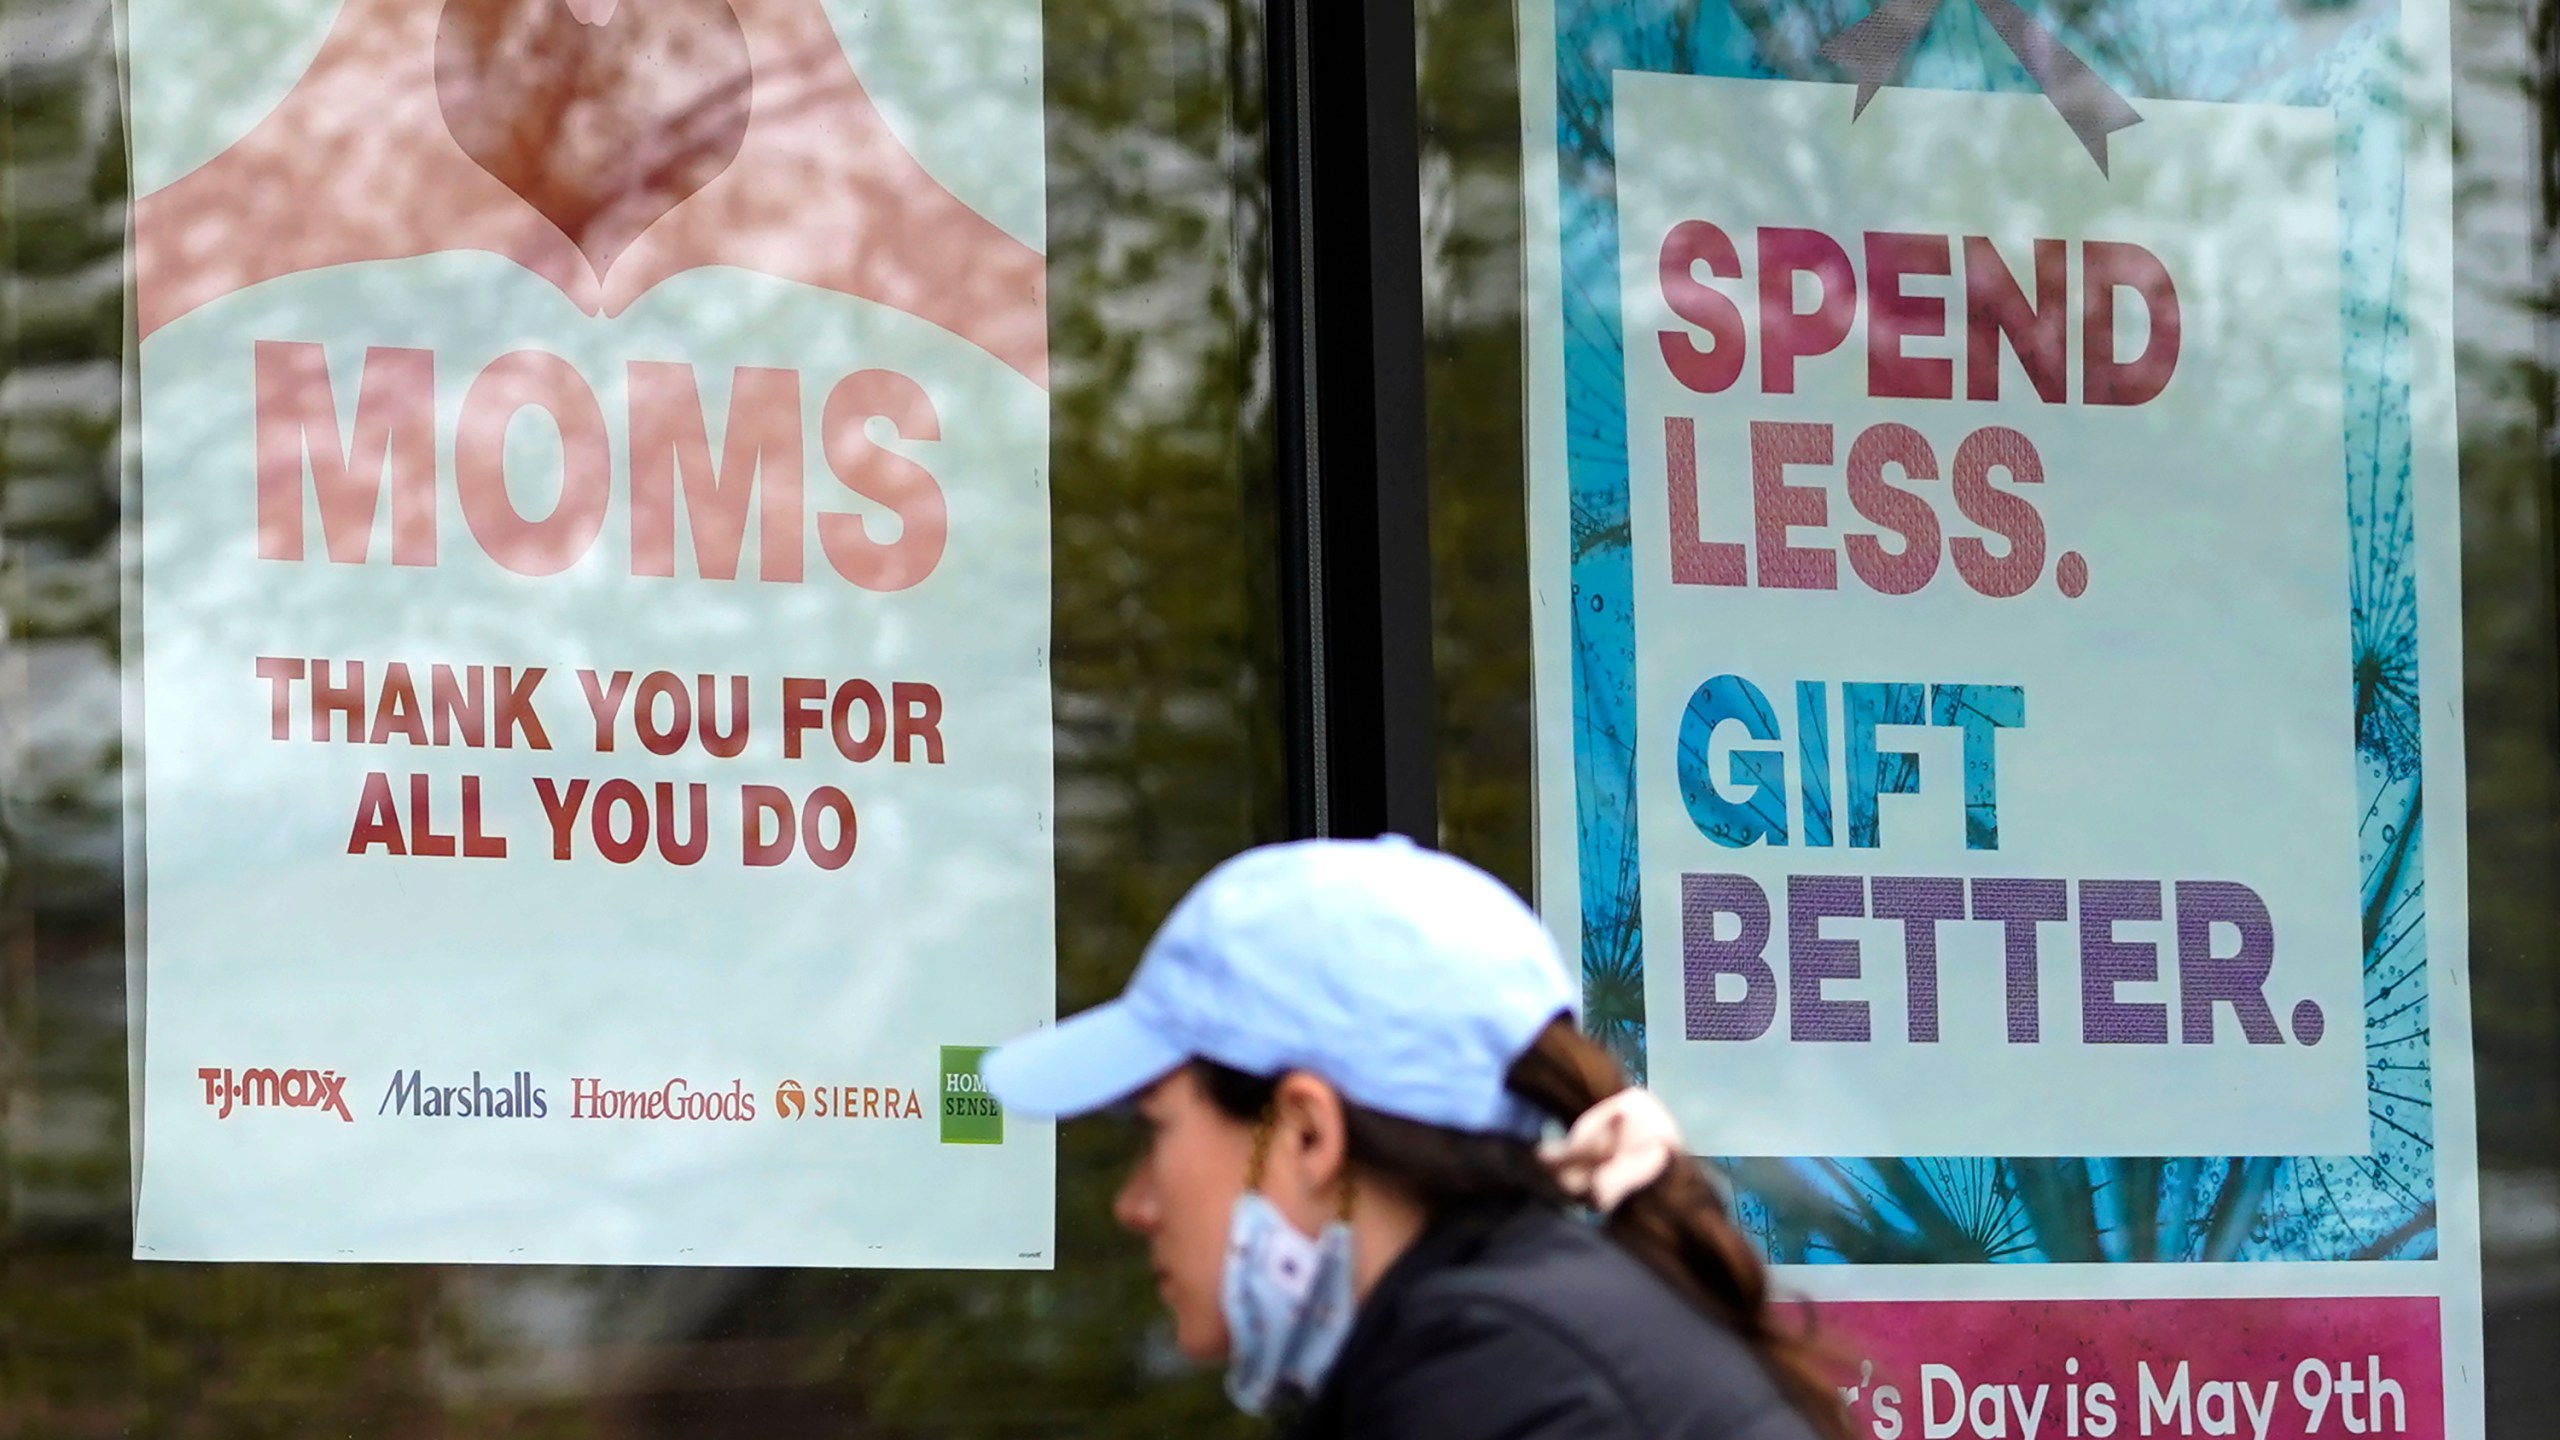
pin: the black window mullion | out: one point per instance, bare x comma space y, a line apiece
1356, 558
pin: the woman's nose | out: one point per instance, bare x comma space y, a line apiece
1135, 1206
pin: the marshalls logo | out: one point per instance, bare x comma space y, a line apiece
225, 1090
788, 1101
518, 1099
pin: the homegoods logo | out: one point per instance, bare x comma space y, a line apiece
591, 1098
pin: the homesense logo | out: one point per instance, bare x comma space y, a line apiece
970, 1116
262, 1088
519, 1099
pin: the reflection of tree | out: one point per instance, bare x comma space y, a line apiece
2508, 208
1168, 759
1479, 540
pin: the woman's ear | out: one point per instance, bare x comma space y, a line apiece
1309, 1147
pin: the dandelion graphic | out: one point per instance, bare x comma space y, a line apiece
2009, 1209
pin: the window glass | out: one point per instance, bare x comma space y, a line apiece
1167, 758
2505, 108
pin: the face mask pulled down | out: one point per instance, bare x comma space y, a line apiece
1288, 1302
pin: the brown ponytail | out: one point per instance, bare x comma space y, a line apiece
1677, 1225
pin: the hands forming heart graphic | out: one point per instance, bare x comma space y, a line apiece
603, 146
602, 122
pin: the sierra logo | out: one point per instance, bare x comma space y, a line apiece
518, 1099
847, 1102
225, 1090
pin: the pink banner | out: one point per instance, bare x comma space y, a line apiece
2271, 1369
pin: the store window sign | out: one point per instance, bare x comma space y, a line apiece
592, 639
1951, 468
1996, 563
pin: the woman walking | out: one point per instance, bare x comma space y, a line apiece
1345, 1054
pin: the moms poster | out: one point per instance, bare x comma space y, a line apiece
1995, 557
589, 655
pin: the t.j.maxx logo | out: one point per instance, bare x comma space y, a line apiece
226, 1090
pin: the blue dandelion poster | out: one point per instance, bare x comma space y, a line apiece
1995, 568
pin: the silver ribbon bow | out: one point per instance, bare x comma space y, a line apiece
1875, 49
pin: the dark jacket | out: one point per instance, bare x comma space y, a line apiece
1531, 1325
